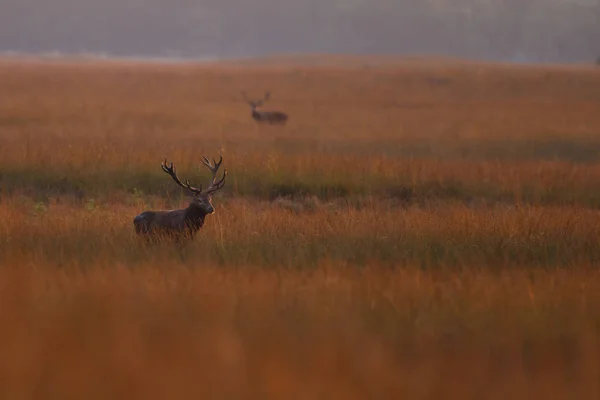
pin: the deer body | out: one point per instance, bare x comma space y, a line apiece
171, 223
183, 223
269, 117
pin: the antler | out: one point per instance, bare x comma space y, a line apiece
256, 103
214, 185
250, 102
171, 171
262, 101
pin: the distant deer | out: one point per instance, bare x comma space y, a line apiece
184, 223
270, 117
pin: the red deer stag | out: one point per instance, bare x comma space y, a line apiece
270, 117
184, 223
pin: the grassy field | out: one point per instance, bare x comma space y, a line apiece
418, 229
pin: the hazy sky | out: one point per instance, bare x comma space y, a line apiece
518, 30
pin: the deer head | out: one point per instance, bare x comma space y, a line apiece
200, 198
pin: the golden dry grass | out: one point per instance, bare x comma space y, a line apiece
156, 332
463, 132
298, 235
418, 229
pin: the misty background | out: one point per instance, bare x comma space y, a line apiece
504, 30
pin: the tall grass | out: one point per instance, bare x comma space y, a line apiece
332, 332
420, 231
458, 133
303, 234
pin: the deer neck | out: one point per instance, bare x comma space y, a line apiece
258, 114
194, 217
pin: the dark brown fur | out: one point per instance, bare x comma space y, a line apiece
269, 117
184, 223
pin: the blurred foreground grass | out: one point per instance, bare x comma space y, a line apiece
332, 332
